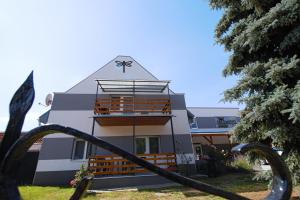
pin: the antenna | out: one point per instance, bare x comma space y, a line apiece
42, 104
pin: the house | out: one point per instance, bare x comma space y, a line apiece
211, 127
126, 105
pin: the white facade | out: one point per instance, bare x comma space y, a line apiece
81, 118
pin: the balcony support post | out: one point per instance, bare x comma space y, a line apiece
133, 126
90, 146
172, 128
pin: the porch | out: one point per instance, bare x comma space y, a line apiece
113, 165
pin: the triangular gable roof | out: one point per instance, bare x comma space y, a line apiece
114, 72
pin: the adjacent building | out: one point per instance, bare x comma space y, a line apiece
211, 127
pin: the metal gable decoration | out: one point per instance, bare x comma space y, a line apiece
123, 64
14, 147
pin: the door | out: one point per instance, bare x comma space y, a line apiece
198, 151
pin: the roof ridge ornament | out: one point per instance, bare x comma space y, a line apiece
123, 64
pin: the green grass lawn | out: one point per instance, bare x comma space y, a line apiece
239, 183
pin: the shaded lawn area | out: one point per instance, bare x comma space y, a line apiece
239, 183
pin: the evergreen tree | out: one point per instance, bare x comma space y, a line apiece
263, 37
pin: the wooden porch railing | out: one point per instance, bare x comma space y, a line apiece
132, 105
116, 165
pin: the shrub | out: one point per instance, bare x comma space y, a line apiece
264, 176
242, 163
80, 175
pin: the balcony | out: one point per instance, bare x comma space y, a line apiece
125, 111
110, 165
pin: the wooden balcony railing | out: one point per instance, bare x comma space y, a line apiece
122, 105
116, 165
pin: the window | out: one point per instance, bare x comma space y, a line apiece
193, 124
79, 150
226, 122
140, 145
145, 145
153, 145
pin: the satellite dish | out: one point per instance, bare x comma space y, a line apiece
49, 99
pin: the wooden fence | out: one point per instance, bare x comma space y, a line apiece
132, 105
116, 165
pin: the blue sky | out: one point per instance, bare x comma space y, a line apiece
64, 41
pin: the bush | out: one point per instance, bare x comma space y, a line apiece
264, 176
214, 162
80, 175
241, 163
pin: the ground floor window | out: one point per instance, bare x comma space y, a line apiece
147, 144
79, 149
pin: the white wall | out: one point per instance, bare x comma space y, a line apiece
59, 165
112, 72
83, 121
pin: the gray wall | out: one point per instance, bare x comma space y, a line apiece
54, 178
183, 143
206, 122
61, 148
128, 181
56, 148
124, 142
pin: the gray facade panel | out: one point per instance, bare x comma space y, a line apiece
206, 122
63, 178
56, 148
73, 102
178, 102
44, 117
87, 101
183, 143
53, 178
127, 181
61, 148
124, 142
